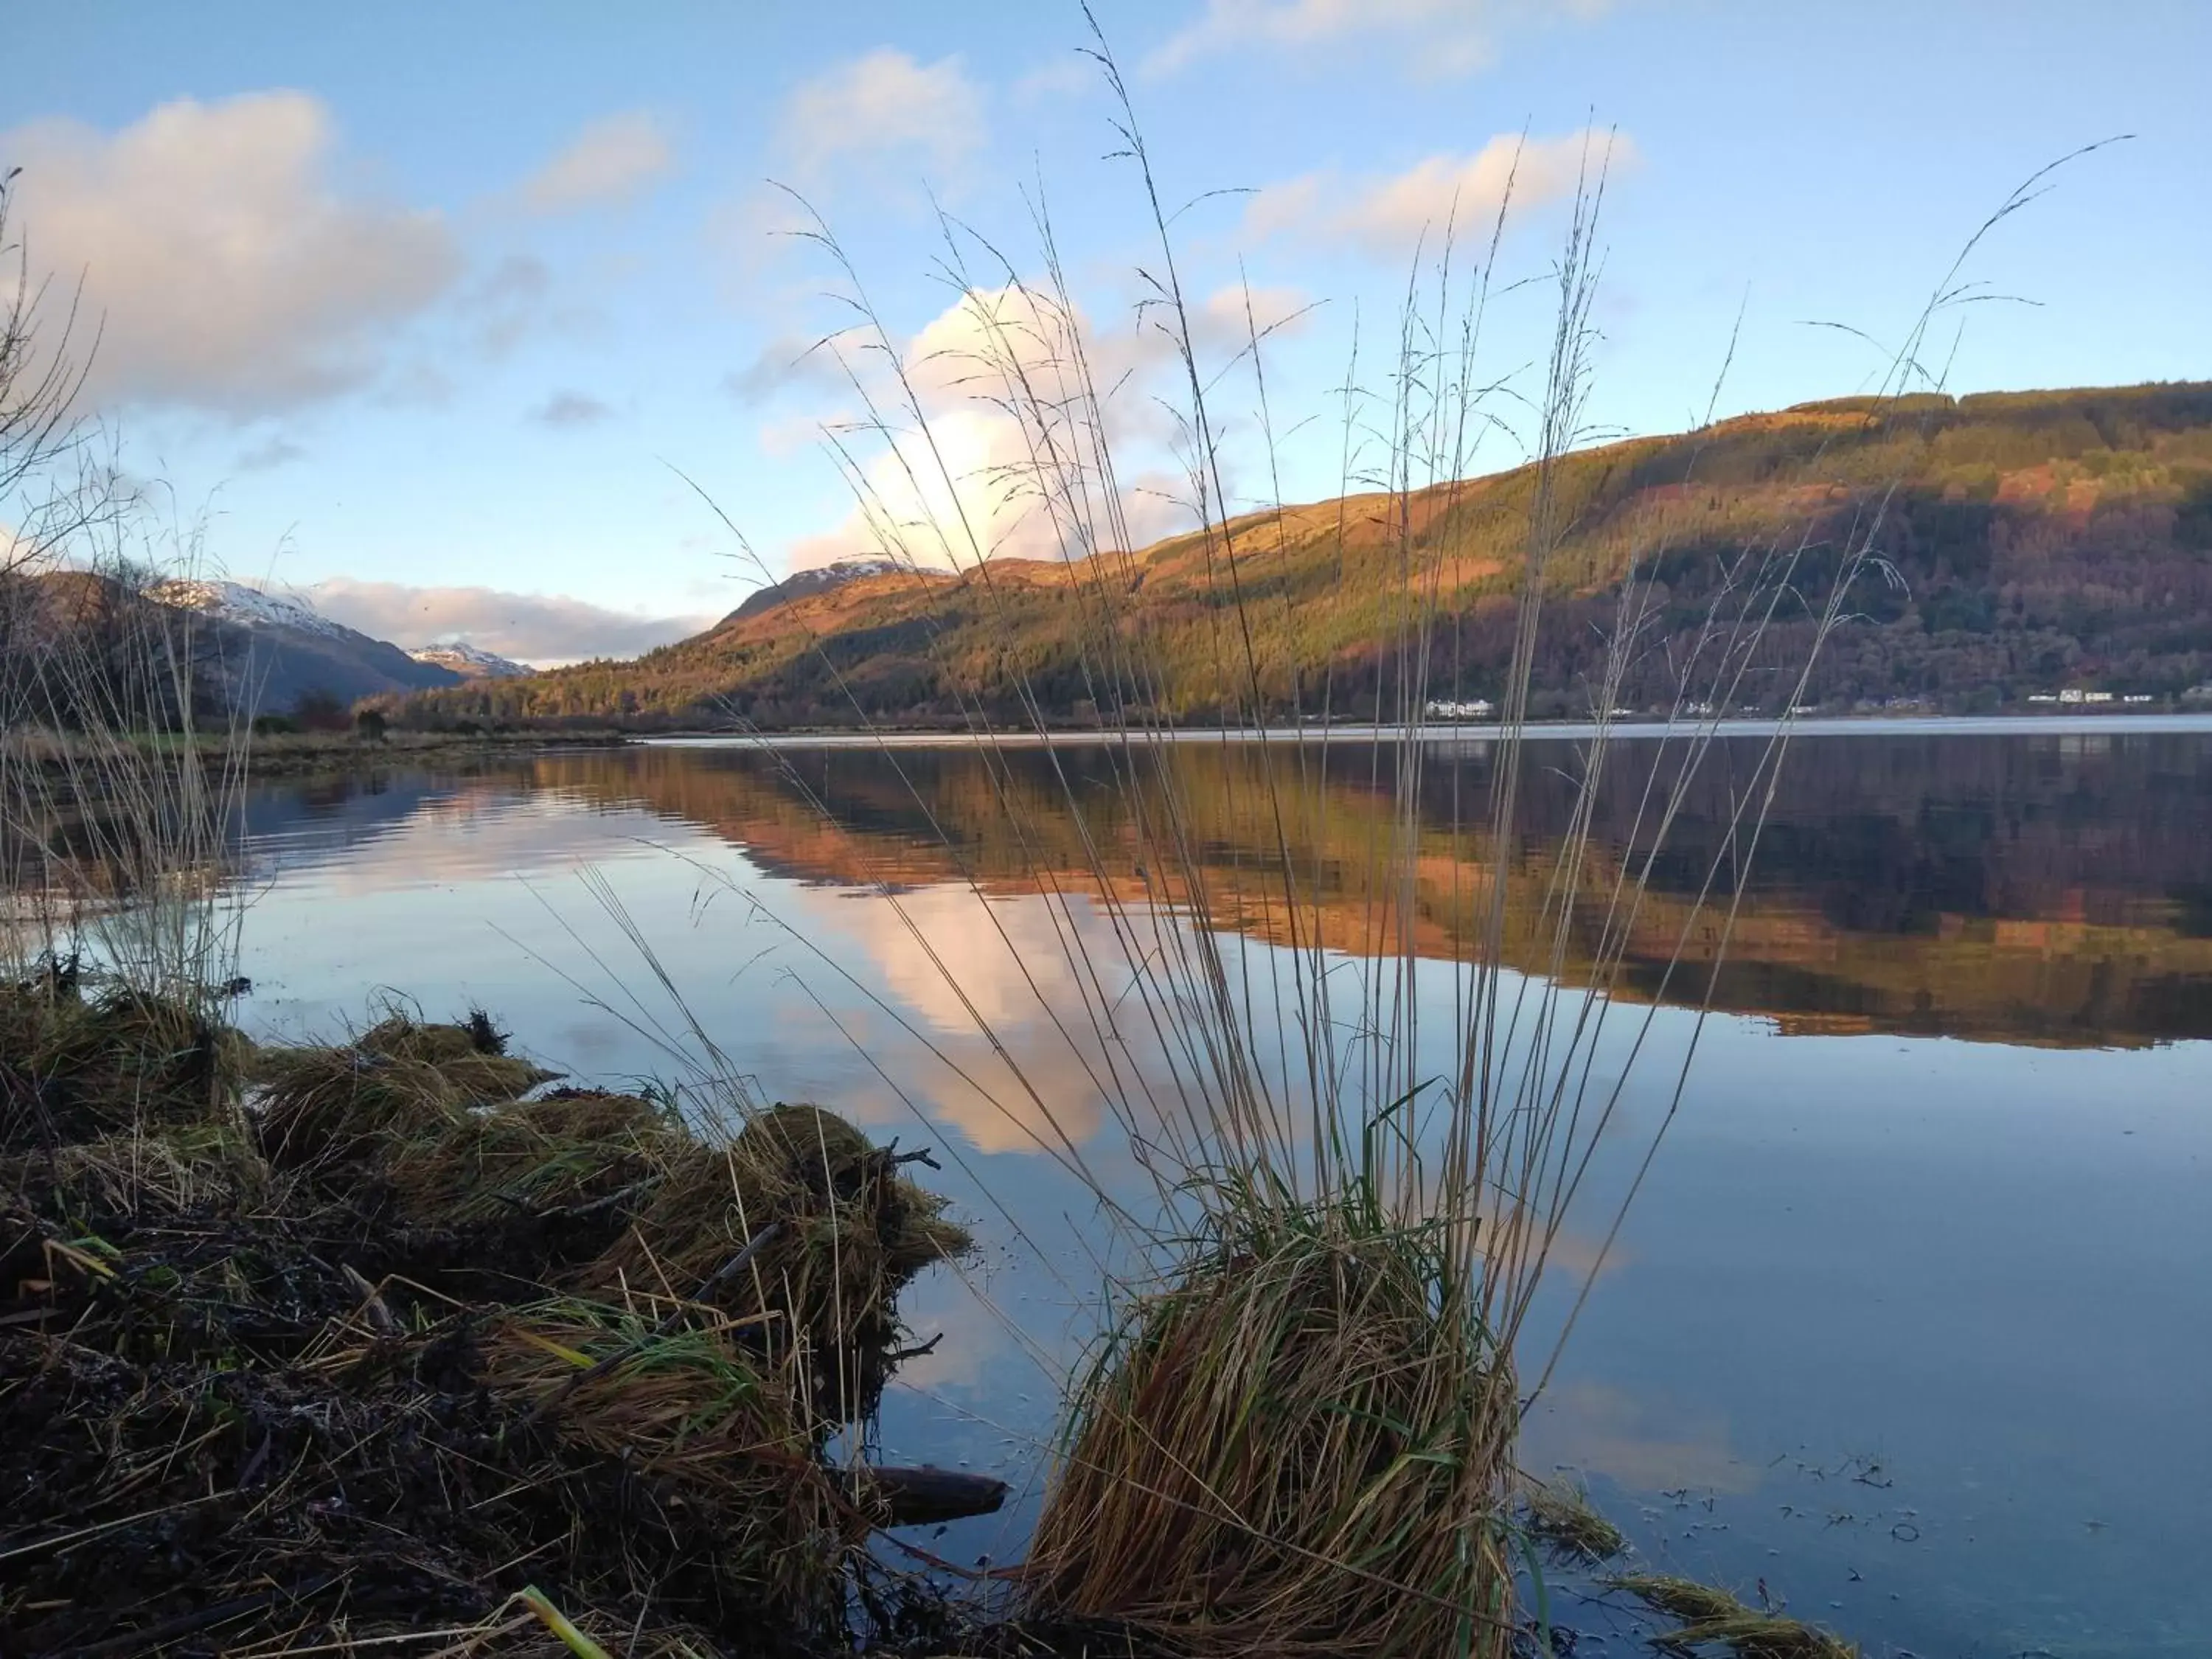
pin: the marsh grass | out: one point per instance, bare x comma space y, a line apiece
1714, 1617
1296, 1429
327, 1384
1560, 1515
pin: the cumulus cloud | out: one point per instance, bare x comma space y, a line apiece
1441, 38
977, 489
565, 410
880, 108
542, 628
610, 161
1389, 215
227, 268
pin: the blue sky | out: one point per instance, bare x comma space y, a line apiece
421, 305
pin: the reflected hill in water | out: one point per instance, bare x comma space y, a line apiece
2041, 889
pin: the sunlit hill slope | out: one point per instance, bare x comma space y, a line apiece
2033, 541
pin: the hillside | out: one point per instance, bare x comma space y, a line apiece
2033, 541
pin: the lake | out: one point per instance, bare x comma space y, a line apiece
1911, 1322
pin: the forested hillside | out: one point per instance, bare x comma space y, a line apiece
2029, 542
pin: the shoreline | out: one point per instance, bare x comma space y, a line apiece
1464, 733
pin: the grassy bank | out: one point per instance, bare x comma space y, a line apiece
313, 1349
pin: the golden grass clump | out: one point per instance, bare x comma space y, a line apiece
1293, 1447
837, 1232
1708, 1614
692, 1411
565, 1153
398, 1079
1559, 1513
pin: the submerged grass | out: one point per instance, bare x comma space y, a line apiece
1712, 1616
1560, 1515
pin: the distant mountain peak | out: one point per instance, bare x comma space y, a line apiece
470, 662
248, 607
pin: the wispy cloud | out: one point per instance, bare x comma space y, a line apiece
542, 629
1390, 214
565, 410
611, 161
1438, 38
271, 452
230, 268
882, 108
786, 363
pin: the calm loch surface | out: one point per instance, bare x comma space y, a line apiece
1912, 1320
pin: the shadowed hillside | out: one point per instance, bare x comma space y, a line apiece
2033, 541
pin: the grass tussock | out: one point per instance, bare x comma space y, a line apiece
79, 1062
1290, 1448
370, 1345
1708, 1615
1560, 1514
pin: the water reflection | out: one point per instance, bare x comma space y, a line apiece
2050, 890
1978, 1263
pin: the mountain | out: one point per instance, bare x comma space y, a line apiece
799, 584
2028, 542
270, 650
470, 662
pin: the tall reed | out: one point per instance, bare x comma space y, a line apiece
1297, 1428
118, 797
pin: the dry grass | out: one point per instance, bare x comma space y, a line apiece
1561, 1515
321, 1369
1288, 1448
1715, 1616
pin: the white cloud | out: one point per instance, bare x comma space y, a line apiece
1440, 38
610, 161
222, 264
1391, 215
544, 628
881, 107
1009, 468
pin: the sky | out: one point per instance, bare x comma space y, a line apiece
489, 322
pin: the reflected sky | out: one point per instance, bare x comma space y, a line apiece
1912, 1319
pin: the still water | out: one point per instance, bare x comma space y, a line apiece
1911, 1323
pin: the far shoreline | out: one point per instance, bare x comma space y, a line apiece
1456, 732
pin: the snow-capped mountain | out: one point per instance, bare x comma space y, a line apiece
470, 662
275, 648
248, 607
820, 579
